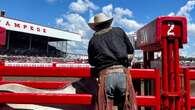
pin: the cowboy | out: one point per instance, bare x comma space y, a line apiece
108, 52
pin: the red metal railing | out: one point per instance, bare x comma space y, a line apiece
190, 100
153, 101
38, 98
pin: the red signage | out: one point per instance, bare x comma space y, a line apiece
30, 28
25, 27
163, 27
172, 29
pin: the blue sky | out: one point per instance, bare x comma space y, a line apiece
73, 15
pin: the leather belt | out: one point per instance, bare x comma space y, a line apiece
115, 69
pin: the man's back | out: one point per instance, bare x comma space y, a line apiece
109, 48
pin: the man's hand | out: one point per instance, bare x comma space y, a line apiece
130, 57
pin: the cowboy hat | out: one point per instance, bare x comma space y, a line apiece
100, 19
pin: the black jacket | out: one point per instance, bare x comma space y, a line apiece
110, 48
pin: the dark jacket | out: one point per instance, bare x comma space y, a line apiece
110, 48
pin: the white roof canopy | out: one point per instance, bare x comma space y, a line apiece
20, 26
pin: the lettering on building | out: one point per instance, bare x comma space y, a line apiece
27, 27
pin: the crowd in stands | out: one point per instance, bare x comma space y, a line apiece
187, 63
36, 59
30, 59
33, 55
32, 52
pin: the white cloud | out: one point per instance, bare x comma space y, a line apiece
82, 6
187, 46
184, 11
108, 10
171, 14
91, 13
186, 51
123, 12
130, 24
91, 5
192, 54
122, 17
191, 29
76, 23
183, 52
59, 21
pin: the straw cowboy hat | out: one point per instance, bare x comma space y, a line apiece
100, 19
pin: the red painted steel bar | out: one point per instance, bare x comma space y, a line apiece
187, 89
32, 98
45, 71
192, 100
157, 90
157, 84
40, 84
147, 101
171, 68
165, 73
191, 73
177, 75
63, 72
171, 75
144, 73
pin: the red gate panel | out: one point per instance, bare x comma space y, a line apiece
48, 98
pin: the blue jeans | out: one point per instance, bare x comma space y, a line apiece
115, 85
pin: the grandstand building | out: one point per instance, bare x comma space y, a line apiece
132, 38
28, 39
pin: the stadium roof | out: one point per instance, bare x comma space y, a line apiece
30, 28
